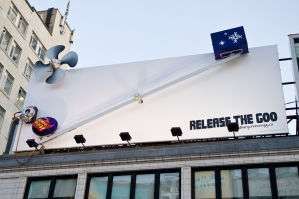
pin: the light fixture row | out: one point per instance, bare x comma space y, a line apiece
125, 136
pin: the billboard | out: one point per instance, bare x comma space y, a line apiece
148, 98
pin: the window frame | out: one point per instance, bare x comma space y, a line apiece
40, 50
18, 20
25, 24
33, 37
53, 180
21, 91
13, 51
3, 33
29, 64
7, 76
244, 172
133, 175
13, 9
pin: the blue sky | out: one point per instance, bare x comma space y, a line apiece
117, 31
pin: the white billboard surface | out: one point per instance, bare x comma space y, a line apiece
195, 92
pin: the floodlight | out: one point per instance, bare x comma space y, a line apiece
32, 143
125, 136
176, 132
80, 139
233, 127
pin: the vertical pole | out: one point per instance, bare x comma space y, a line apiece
11, 135
273, 182
245, 183
218, 184
157, 186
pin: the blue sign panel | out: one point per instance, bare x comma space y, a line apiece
229, 42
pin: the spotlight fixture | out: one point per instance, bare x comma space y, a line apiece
80, 139
32, 143
233, 127
125, 136
176, 132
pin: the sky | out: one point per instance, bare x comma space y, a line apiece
115, 31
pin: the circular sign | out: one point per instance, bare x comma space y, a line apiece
44, 126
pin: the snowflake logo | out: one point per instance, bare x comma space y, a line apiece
235, 37
221, 43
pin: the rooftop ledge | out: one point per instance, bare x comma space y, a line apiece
213, 147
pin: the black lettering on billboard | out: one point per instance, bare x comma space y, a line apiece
192, 125
198, 124
250, 119
221, 122
266, 117
216, 122
209, 123
259, 118
227, 120
273, 116
237, 117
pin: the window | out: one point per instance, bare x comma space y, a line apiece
17, 19
252, 182
21, 98
287, 182
169, 186
15, 50
33, 42
51, 187
39, 189
137, 185
231, 184
145, 186
15, 53
2, 114
22, 26
8, 82
5, 40
259, 183
41, 53
205, 185
28, 69
98, 187
37, 47
65, 188
12, 14
121, 187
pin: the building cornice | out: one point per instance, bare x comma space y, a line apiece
283, 146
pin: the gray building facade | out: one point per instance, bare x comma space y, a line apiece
244, 167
